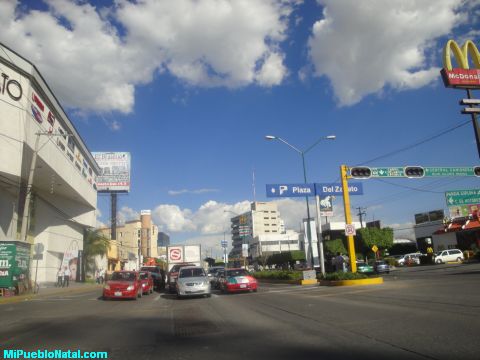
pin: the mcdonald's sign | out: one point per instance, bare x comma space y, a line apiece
463, 76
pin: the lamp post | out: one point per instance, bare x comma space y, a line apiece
302, 153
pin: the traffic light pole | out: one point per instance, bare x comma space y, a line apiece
348, 218
476, 129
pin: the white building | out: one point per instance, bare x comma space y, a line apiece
63, 194
263, 230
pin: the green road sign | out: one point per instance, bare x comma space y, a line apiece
462, 197
387, 172
449, 171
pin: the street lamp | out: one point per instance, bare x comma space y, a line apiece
302, 153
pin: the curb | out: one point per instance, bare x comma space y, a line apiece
371, 281
27, 297
289, 282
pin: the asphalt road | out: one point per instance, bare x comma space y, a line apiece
418, 313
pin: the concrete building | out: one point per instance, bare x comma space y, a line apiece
262, 230
63, 198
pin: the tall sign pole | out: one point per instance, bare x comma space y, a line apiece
348, 218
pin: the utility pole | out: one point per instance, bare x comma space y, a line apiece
361, 213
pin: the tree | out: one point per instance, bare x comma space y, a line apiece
382, 238
210, 261
94, 243
335, 246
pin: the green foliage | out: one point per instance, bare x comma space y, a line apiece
335, 246
390, 261
278, 274
382, 238
286, 257
340, 275
94, 243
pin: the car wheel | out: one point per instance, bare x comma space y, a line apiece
438, 261
208, 295
254, 290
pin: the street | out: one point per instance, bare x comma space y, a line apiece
426, 312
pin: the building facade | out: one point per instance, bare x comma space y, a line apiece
45, 167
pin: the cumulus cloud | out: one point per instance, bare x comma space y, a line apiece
403, 231
92, 65
127, 214
364, 46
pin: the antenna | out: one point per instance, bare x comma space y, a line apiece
253, 185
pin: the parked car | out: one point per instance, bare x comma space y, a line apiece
147, 282
449, 255
364, 268
192, 281
158, 275
216, 278
173, 275
408, 259
123, 284
381, 266
212, 272
237, 280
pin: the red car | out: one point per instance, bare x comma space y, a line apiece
238, 280
123, 284
147, 282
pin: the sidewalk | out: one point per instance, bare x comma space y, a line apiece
49, 290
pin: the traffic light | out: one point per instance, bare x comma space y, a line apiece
360, 172
476, 170
414, 171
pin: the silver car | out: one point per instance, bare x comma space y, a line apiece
193, 281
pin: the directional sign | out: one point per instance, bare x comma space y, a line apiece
224, 243
388, 172
449, 171
290, 190
462, 197
354, 188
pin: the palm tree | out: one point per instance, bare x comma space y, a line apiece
94, 243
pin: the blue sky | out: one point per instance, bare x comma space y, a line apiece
191, 88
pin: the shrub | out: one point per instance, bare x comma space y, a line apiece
278, 274
340, 275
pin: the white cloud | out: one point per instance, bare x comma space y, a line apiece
127, 214
364, 46
403, 231
172, 218
195, 192
92, 66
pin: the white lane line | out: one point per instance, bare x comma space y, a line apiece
157, 298
215, 296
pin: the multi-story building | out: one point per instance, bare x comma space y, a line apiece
163, 240
259, 228
47, 173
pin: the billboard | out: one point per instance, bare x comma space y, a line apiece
115, 171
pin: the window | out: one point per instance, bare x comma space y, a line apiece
273, 212
77, 165
71, 143
267, 231
70, 156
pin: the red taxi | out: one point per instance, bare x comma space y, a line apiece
123, 284
237, 280
147, 282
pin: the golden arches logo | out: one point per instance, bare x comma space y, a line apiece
462, 76
461, 55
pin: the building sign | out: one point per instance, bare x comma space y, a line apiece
430, 216
10, 88
115, 171
463, 77
175, 254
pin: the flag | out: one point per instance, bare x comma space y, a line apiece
37, 101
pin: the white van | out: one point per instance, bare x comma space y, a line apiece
449, 255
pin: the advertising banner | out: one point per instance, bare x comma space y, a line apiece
192, 253
14, 263
70, 261
115, 171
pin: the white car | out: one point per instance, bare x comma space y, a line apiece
413, 258
449, 255
193, 281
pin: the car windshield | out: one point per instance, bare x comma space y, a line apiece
143, 276
191, 272
239, 272
176, 268
123, 276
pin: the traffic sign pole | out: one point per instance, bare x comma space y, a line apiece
348, 219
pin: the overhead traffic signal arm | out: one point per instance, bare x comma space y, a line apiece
414, 171
360, 172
